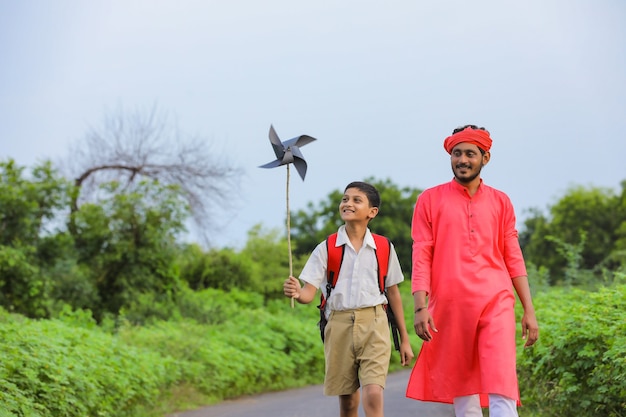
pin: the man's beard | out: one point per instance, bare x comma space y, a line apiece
466, 180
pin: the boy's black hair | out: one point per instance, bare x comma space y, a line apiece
368, 189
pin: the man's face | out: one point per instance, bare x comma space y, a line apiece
467, 162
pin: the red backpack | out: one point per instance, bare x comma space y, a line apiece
335, 258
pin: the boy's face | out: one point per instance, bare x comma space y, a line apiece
355, 206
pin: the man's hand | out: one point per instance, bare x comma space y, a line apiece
530, 329
423, 324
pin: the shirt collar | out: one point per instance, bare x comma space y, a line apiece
342, 238
459, 187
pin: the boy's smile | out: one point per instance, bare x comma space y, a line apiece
355, 206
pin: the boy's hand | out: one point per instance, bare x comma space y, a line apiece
292, 288
406, 353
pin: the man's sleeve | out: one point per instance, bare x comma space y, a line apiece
422, 235
513, 257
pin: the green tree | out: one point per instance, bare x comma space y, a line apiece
312, 226
130, 242
260, 267
222, 269
28, 209
617, 258
591, 219
29, 205
269, 255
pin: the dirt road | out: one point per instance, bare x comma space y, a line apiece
311, 402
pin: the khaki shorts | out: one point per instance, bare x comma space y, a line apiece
357, 348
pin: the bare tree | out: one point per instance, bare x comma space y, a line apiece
131, 146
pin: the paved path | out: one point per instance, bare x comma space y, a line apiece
311, 402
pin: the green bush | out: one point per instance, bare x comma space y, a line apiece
209, 306
51, 369
217, 345
578, 366
256, 349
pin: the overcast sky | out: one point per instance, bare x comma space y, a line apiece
380, 84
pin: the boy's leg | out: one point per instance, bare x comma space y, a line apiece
467, 406
501, 406
349, 405
373, 400
373, 346
341, 374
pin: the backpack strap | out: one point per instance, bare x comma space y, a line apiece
383, 249
335, 258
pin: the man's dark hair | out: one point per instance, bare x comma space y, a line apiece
368, 189
461, 128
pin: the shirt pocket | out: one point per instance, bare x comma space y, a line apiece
367, 273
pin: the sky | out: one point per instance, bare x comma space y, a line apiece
378, 84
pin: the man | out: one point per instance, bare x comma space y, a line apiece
466, 262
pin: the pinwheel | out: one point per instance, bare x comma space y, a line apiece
287, 153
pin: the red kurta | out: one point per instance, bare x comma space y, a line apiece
465, 252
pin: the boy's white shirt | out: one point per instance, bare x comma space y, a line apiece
357, 285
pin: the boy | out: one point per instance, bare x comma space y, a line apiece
357, 344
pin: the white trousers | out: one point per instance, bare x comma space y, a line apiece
499, 406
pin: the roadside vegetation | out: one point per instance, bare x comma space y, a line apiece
106, 311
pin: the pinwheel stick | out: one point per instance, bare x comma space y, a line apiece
289, 234
288, 153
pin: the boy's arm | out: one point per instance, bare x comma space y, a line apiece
395, 303
302, 294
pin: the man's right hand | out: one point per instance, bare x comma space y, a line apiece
423, 324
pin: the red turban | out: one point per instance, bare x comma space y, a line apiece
476, 137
